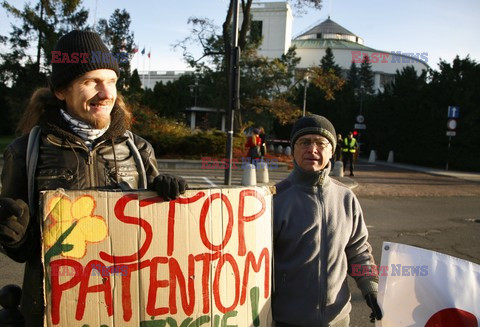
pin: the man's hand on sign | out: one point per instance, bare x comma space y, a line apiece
169, 187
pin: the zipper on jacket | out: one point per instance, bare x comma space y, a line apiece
323, 259
67, 177
91, 168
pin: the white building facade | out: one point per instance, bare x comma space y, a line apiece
276, 21
150, 78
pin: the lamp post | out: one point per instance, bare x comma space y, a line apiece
305, 78
362, 92
234, 91
194, 92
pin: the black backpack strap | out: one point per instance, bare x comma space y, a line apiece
142, 182
33, 147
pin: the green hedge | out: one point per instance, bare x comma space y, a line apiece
196, 145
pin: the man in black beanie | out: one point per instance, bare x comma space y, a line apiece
77, 137
319, 236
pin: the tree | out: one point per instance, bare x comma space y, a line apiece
366, 75
267, 88
118, 37
20, 72
44, 23
353, 79
135, 84
458, 83
328, 63
218, 47
328, 76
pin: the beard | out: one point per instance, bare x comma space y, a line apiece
99, 123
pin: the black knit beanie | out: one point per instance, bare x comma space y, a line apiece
314, 124
77, 53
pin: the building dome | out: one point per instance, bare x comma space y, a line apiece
329, 30
276, 21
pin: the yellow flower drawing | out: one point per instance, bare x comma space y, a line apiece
75, 223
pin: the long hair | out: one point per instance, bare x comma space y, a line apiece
40, 100
44, 98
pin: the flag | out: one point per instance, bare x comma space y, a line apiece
149, 54
418, 287
135, 49
143, 51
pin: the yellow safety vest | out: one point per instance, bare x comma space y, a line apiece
349, 146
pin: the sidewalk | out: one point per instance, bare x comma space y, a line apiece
469, 176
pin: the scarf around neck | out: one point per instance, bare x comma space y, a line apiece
86, 132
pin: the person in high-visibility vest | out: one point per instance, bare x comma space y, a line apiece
349, 147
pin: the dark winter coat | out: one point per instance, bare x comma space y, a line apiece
65, 161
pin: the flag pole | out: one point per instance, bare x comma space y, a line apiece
149, 60
143, 75
138, 60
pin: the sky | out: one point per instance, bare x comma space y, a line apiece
441, 28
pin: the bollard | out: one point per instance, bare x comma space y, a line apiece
373, 156
337, 169
271, 148
390, 157
279, 149
11, 316
249, 177
262, 172
288, 151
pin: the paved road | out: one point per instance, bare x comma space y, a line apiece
437, 212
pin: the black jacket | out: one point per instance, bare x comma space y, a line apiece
64, 161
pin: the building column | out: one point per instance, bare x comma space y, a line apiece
376, 82
192, 120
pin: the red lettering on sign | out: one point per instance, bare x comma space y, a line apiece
155, 284
104, 287
256, 265
120, 214
216, 283
207, 258
242, 219
57, 288
203, 218
171, 218
177, 275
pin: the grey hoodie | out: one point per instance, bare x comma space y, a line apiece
319, 232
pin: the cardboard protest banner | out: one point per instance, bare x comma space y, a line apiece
131, 259
419, 287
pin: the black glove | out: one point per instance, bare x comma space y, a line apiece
169, 187
14, 218
371, 299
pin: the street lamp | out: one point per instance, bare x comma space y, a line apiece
194, 92
305, 78
362, 92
